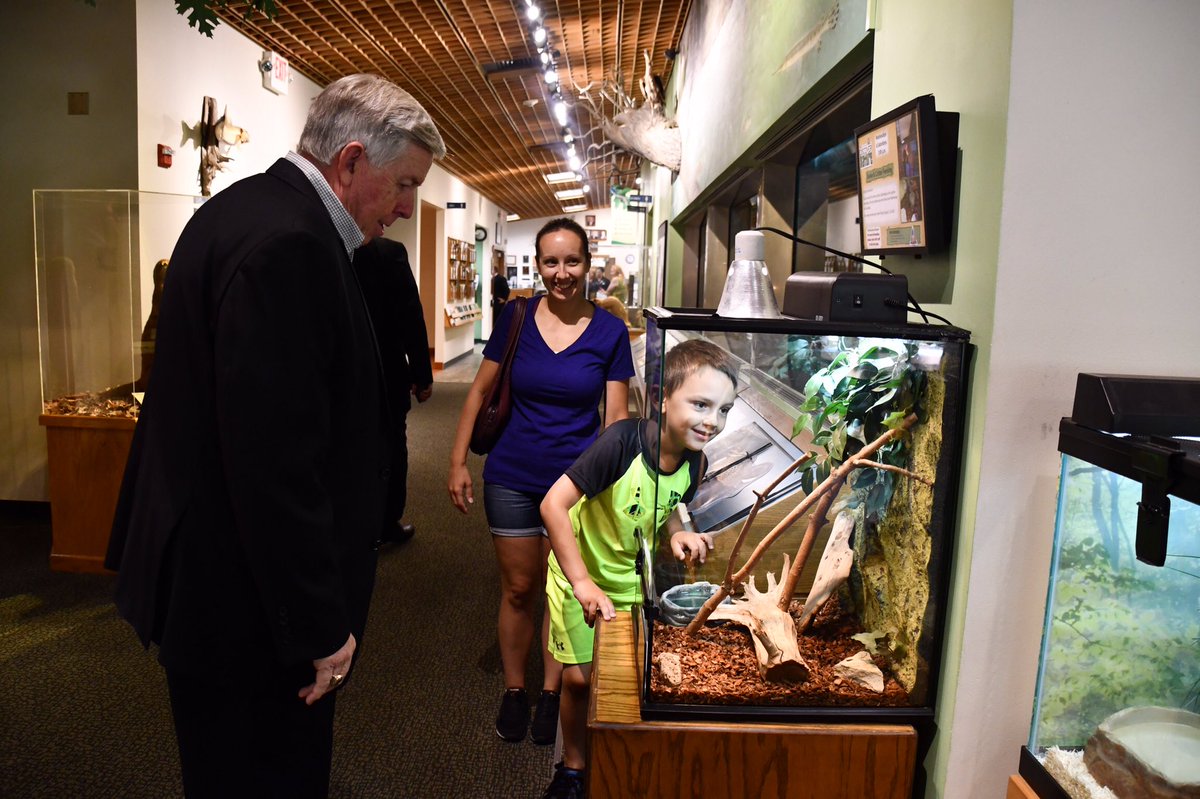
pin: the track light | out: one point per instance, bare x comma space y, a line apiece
539, 35
533, 12
560, 112
551, 76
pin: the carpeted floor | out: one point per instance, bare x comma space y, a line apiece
84, 713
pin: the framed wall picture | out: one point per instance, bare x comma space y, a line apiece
589, 220
509, 260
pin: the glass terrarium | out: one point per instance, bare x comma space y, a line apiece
831, 496
101, 258
1118, 685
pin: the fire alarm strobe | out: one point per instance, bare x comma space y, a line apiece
164, 156
846, 297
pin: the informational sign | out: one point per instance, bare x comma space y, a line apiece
625, 223
640, 202
456, 205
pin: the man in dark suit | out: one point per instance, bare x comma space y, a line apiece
246, 531
395, 305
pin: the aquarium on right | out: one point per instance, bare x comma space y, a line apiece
1118, 686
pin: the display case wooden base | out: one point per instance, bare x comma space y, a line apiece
630, 757
1019, 789
86, 460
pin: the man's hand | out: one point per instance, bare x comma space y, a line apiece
595, 602
691, 547
422, 393
331, 672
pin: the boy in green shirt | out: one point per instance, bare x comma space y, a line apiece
600, 510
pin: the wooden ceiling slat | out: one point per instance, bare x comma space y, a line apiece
436, 49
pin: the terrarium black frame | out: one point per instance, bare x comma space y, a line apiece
958, 352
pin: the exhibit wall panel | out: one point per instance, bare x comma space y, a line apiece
740, 65
47, 50
1088, 279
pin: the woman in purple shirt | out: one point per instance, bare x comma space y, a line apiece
571, 356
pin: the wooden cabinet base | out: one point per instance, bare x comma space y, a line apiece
85, 460
635, 758
1019, 789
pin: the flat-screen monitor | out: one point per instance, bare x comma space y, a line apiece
900, 189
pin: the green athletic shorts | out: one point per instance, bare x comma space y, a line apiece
571, 640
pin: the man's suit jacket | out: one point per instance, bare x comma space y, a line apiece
395, 305
248, 519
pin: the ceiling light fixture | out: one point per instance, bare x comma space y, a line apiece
560, 113
570, 209
560, 177
551, 76
533, 12
539, 35
568, 194
512, 217
574, 162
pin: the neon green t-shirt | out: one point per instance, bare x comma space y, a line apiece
617, 476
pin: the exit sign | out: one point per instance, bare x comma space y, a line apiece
276, 72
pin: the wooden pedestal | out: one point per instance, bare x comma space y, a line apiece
86, 460
630, 757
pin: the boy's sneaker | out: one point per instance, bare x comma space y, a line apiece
568, 783
513, 719
544, 729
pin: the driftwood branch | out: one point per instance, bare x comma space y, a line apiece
829, 486
772, 630
832, 571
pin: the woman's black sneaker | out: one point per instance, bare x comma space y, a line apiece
568, 783
513, 719
544, 729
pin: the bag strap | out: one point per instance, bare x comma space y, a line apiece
514, 335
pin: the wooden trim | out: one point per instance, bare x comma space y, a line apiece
1019, 789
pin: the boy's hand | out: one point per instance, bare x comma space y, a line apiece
691, 547
594, 601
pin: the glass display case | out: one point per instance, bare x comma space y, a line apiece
101, 259
1118, 683
831, 498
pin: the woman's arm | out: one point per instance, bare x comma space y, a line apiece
459, 483
616, 401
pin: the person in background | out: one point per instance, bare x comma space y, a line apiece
245, 534
595, 282
616, 283
396, 314
571, 356
500, 291
602, 508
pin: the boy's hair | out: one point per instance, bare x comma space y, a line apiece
688, 357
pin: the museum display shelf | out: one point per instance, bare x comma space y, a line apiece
101, 259
831, 495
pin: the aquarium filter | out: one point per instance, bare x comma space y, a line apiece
846, 297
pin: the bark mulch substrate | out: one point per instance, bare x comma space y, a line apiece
92, 404
719, 667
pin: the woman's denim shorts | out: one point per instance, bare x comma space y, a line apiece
513, 514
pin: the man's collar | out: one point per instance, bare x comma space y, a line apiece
347, 228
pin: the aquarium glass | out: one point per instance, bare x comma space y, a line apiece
1118, 632
97, 255
842, 432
